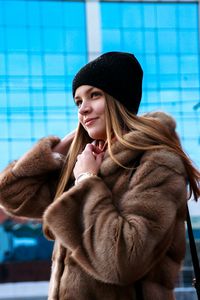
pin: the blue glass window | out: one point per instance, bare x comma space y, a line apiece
5, 150
35, 39
74, 41
133, 41
132, 16
149, 15
14, 13
188, 41
110, 20
168, 41
74, 63
2, 39
33, 13
74, 15
54, 64
36, 65
168, 64
2, 65
185, 11
42, 45
53, 40
111, 40
17, 39
18, 64
20, 129
51, 13
151, 37
166, 15
4, 128
189, 64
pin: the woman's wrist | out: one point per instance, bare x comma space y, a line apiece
83, 176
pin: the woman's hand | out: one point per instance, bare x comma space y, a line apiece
88, 161
63, 146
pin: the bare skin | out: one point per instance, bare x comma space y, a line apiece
91, 106
89, 160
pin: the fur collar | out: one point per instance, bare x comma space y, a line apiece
124, 155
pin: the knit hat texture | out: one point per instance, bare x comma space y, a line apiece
119, 74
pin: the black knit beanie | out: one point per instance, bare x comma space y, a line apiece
119, 74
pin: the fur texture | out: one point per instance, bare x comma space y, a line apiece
110, 231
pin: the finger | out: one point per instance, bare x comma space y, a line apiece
92, 148
52, 140
78, 157
89, 147
94, 143
101, 144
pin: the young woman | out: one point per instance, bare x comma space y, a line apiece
112, 194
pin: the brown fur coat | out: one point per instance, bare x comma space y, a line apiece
114, 232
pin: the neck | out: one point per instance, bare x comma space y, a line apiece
102, 145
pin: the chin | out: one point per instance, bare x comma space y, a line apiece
97, 136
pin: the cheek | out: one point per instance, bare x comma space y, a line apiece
101, 108
80, 118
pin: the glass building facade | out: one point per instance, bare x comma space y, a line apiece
44, 43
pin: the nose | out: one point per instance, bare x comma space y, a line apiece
84, 108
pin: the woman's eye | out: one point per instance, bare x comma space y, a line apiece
95, 94
78, 103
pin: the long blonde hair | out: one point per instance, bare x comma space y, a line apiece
150, 134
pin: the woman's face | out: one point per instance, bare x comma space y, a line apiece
91, 110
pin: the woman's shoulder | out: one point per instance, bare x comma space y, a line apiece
165, 158
163, 118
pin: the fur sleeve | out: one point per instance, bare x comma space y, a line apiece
120, 246
27, 186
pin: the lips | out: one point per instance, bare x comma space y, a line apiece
89, 121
